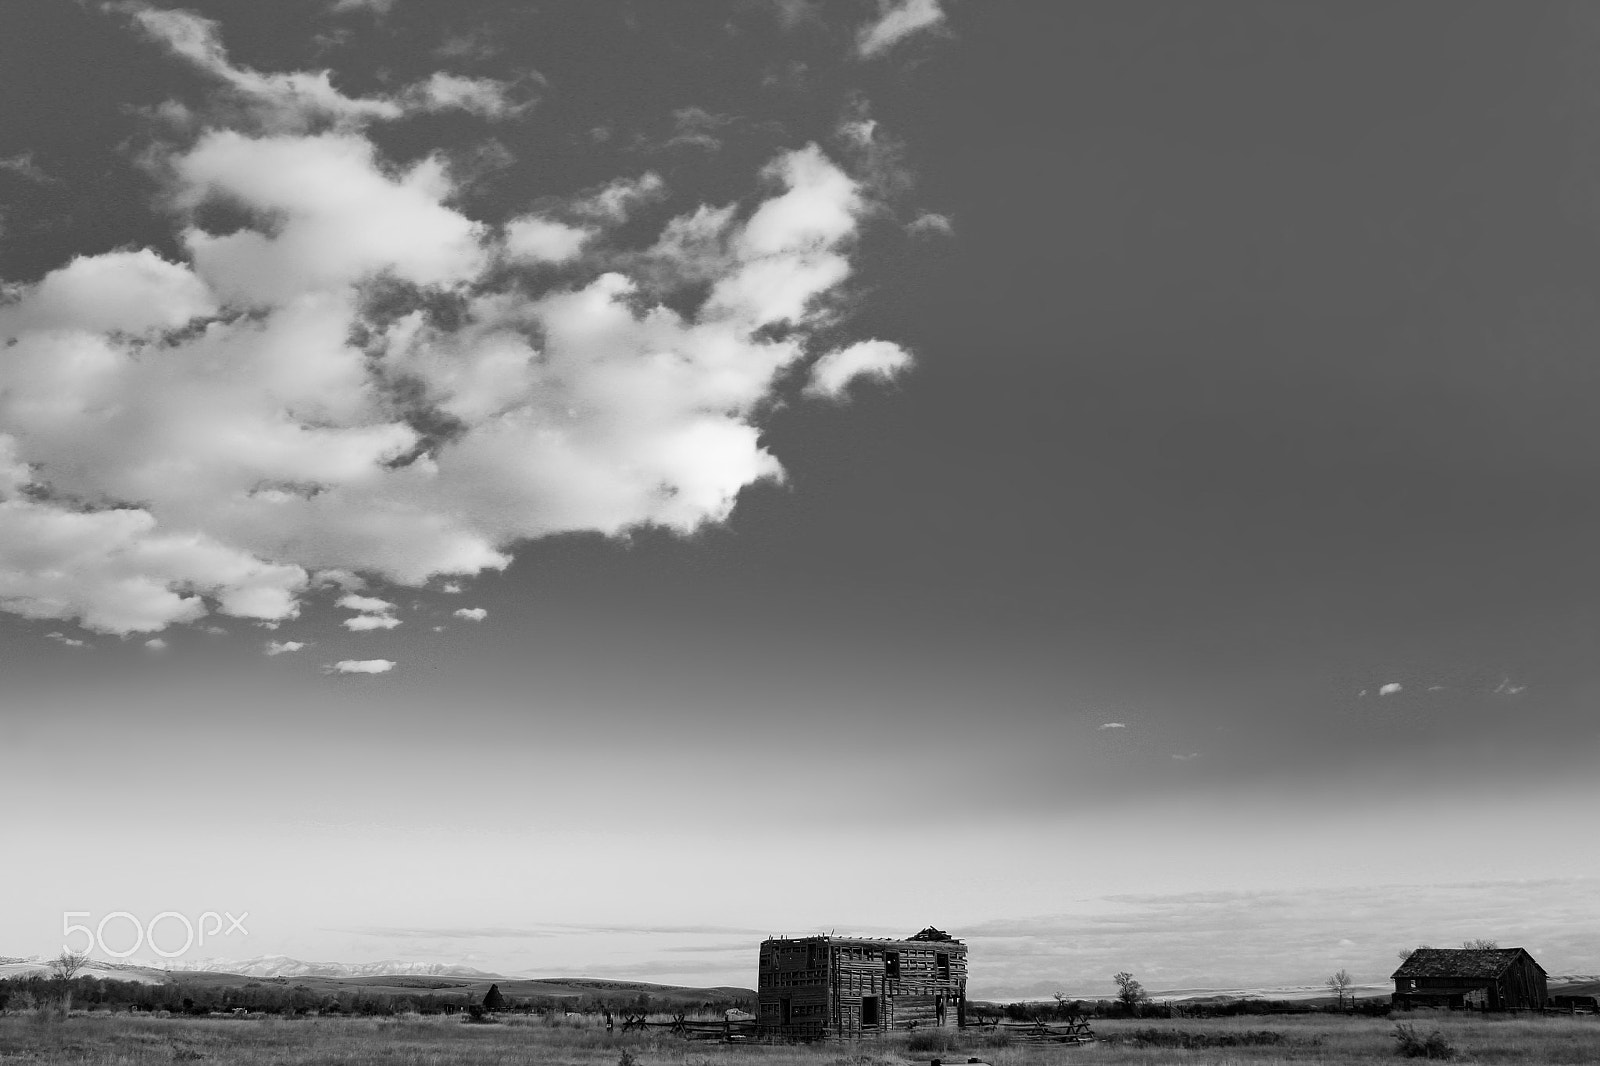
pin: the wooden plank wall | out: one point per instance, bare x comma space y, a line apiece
839, 974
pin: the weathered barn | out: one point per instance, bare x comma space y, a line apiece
1471, 978
820, 986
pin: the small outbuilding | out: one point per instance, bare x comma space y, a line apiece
820, 986
1471, 979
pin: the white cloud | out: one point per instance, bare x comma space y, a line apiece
472, 614
931, 224
182, 438
364, 622
62, 638
484, 97
1389, 689
276, 647
377, 7
834, 372
897, 20
1506, 688
301, 99
23, 166
361, 666
367, 604
616, 201
544, 240
452, 588
1186, 758
1113, 725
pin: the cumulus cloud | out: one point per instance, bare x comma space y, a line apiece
284, 406
472, 614
62, 638
23, 166
452, 588
1113, 725
368, 604
1389, 689
834, 372
931, 224
1186, 758
1507, 688
360, 666
364, 622
276, 647
544, 240
896, 21
156, 644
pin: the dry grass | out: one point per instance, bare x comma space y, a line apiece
124, 1040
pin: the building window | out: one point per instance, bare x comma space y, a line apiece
941, 963
891, 965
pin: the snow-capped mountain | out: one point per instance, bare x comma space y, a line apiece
284, 966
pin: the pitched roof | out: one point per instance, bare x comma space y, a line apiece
1460, 962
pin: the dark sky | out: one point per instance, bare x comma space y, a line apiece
1246, 456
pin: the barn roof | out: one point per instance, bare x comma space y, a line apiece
1460, 962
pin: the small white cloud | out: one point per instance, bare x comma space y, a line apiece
362, 622
23, 166
484, 97
1506, 688
377, 7
453, 588
1389, 689
361, 666
367, 604
1435, 688
834, 372
472, 614
283, 647
1113, 725
1186, 758
897, 20
215, 631
62, 638
615, 201
543, 240
931, 224
156, 644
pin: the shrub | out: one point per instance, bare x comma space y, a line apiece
930, 1040
1412, 1046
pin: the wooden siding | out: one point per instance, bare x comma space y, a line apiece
823, 986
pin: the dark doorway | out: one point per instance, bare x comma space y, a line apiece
869, 1012
788, 1014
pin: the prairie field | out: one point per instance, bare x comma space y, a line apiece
125, 1040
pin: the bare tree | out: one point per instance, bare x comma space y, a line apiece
1339, 984
1406, 953
1481, 945
67, 964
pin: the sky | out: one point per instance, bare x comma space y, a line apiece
578, 488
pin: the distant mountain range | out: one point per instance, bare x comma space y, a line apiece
269, 966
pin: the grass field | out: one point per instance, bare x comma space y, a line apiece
124, 1040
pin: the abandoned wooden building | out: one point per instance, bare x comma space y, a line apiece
820, 986
1471, 979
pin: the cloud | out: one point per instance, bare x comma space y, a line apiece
23, 166
1389, 689
302, 99
930, 224
62, 638
368, 604
544, 240
472, 614
156, 644
834, 372
897, 20
1113, 725
359, 433
363, 622
377, 7
452, 588
1506, 688
361, 666
276, 647
1186, 758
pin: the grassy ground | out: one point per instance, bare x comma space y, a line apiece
124, 1040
